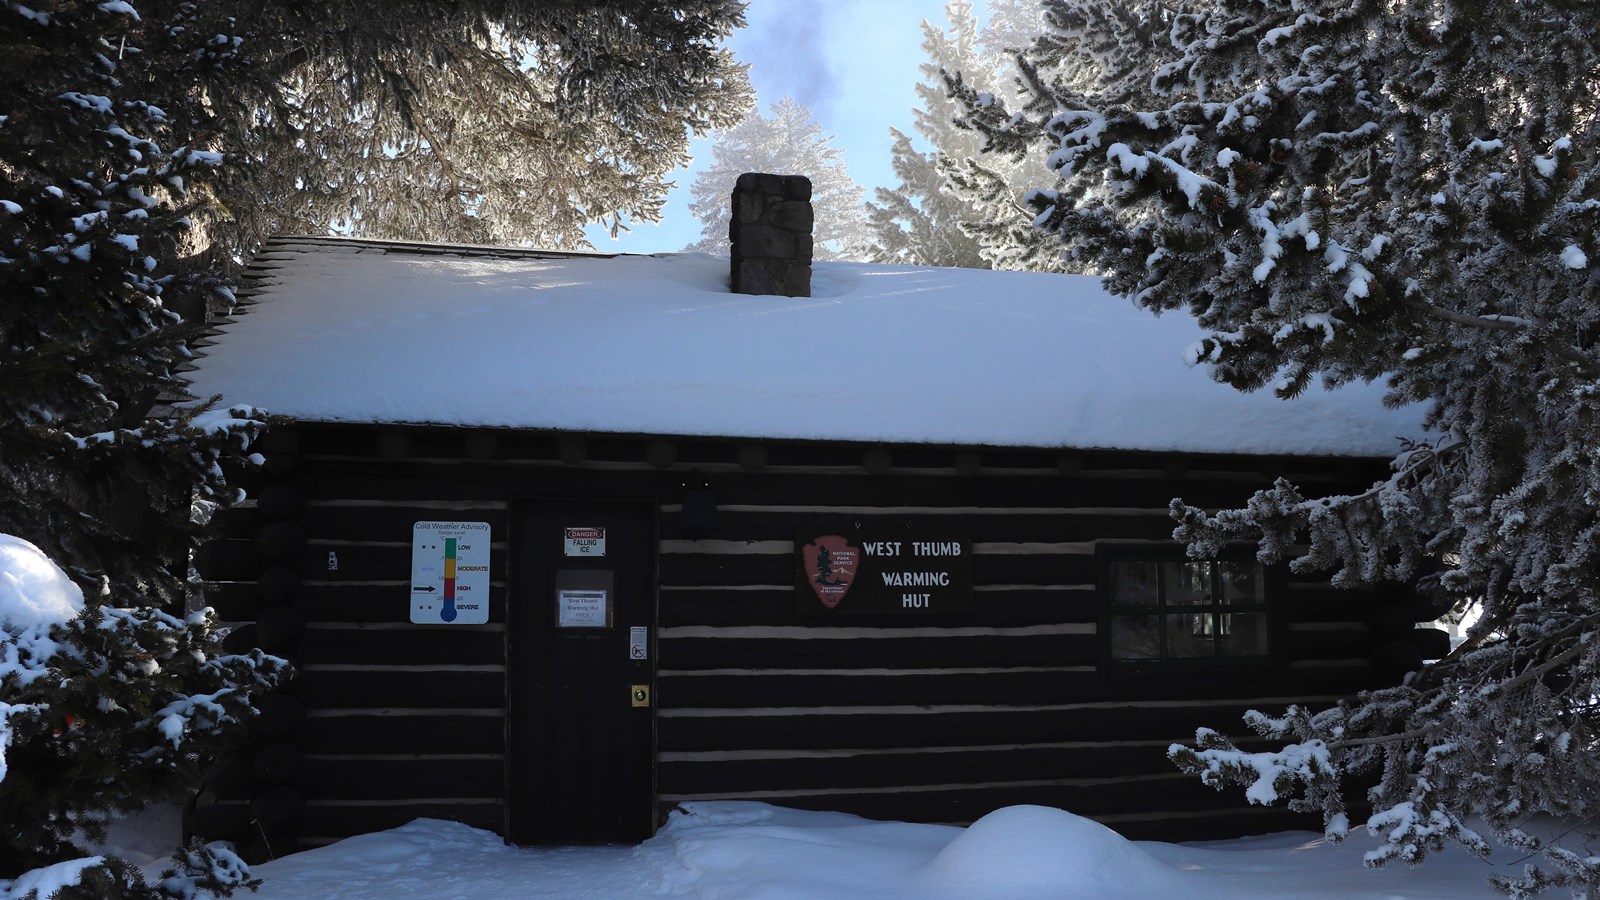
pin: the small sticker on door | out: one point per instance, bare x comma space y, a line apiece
638, 642
582, 540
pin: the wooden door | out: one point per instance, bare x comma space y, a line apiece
580, 762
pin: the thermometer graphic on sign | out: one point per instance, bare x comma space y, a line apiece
450, 573
448, 614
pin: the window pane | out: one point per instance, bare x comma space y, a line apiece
1243, 634
1241, 582
1135, 637
1133, 584
1189, 635
1188, 583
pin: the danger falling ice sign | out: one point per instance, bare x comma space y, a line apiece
862, 574
450, 573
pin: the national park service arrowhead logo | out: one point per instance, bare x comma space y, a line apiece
830, 564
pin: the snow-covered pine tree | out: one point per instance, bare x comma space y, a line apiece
789, 143
478, 121
122, 703
957, 206
918, 222
1406, 190
1106, 44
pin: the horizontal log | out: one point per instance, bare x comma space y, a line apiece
1314, 601
1395, 658
391, 602
278, 715
249, 479
855, 769
236, 522
278, 763
1332, 640
281, 541
411, 734
389, 687
394, 522
475, 480
779, 547
322, 561
400, 780
783, 653
233, 601
898, 629
1173, 793
405, 644
279, 463
833, 728
356, 440
277, 809
992, 525
279, 629
278, 584
278, 502
230, 779
241, 638
280, 439
1152, 526
340, 820
1391, 620
745, 688
1194, 825
228, 559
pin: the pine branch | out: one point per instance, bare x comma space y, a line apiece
1340, 155
1494, 323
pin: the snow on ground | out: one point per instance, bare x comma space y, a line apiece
34, 592
34, 595
752, 851
356, 332
146, 838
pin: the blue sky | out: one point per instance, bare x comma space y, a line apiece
853, 62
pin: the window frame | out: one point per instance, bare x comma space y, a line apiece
1270, 580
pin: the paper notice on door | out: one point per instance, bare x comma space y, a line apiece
638, 642
582, 609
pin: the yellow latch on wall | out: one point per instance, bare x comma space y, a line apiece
639, 695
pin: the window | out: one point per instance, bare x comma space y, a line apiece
1165, 608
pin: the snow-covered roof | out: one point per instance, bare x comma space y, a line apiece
349, 331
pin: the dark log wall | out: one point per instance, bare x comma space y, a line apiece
927, 720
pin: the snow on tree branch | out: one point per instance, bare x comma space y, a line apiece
790, 142
1359, 191
111, 696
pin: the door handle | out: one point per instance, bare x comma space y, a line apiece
639, 695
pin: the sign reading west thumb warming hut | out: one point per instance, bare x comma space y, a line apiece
863, 574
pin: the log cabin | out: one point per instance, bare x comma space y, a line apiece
557, 541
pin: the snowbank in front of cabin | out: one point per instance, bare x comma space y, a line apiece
34, 591
734, 850
658, 345
1027, 852
34, 595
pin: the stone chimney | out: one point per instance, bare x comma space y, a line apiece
771, 235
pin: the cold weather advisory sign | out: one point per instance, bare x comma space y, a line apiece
862, 574
450, 573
